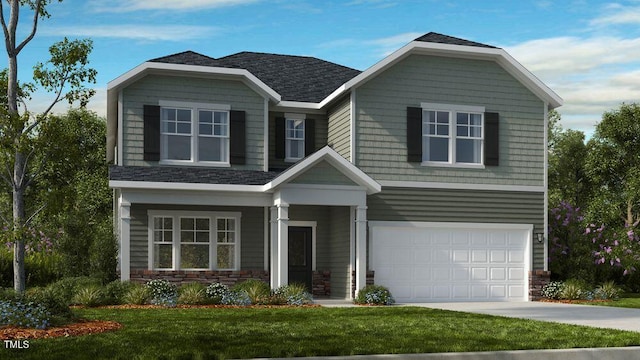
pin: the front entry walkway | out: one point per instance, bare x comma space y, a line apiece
587, 315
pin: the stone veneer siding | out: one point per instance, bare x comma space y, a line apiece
321, 279
537, 280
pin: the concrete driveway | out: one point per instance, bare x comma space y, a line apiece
588, 315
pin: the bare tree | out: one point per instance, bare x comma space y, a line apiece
63, 75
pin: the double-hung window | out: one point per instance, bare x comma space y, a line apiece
294, 139
195, 133
194, 240
452, 135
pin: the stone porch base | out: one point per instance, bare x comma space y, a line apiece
537, 279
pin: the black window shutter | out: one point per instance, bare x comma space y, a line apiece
151, 117
491, 139
237, 137
414, 134
309, 137
280, 137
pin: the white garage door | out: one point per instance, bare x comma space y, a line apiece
431, 262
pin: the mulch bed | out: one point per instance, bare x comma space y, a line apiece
75, 329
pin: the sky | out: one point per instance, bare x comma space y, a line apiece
588, 52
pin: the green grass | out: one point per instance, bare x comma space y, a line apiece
628, 300
287, 332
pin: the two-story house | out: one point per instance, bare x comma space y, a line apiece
425, 173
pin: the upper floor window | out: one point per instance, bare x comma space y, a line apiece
452, 134
294, 139
194, 133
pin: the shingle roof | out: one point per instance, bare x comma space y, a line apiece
191, 175
446, 39
295, 78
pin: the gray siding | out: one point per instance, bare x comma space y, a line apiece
251, 232
323, 173
340, 127
438, 205
320, 132
153, 88
320, 214
381, 120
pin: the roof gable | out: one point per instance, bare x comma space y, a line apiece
433, 37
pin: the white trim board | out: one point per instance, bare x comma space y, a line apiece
460, 186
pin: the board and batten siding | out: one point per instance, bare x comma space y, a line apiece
320, 123
152, 89
251, 232
466, 206
339, 136
381, 109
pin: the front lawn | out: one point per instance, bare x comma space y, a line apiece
288, 332
628, 300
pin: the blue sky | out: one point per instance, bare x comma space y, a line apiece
586, 51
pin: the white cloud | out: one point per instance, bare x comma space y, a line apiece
592, 74
121, 6
136, 32
387, 45
618, 15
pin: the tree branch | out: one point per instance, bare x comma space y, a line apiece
7, 38
36, 16
35, 213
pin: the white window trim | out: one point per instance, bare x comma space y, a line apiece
293, 116
176, 215
453, 110
195, 132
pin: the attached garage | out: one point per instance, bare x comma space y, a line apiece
439, 262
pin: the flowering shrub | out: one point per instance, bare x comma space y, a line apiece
615, 248
163, 293
293, 294
374, 295
24, 314
216, 292
552, 290
236, 297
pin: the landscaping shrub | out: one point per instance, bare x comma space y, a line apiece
374, 295
236, 297
41, 268
293, 294
257, 291
216, 292
66, 288
24, 314
52, 301
192, 294
9, 294
607, 291
552, 290
89, 296
162, 292
574, 290
137, 294
115, 291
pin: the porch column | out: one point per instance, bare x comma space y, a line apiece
361, 247
125, 240
273, 263
283, 245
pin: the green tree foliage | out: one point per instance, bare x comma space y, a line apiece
568, 180
74, 192
613, 165
63, 75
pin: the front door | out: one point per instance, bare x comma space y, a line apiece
300, 248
